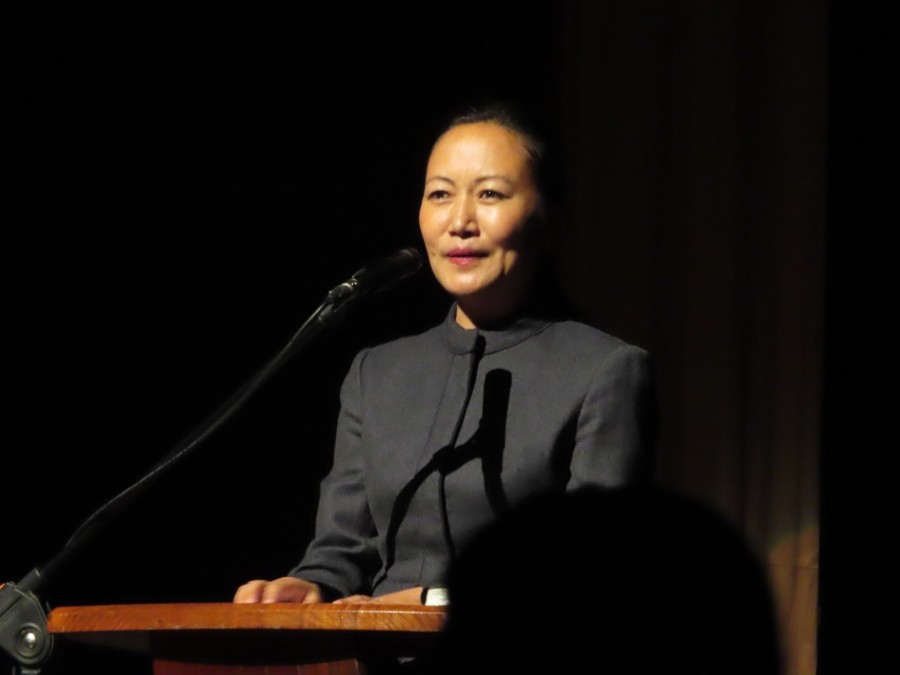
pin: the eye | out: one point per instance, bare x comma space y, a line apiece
437, 195
491, 195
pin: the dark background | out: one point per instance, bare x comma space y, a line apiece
858, 614
186, 185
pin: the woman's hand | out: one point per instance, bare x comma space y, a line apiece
284, 589
408, 596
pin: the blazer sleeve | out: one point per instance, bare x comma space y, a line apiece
615, 439
343, 557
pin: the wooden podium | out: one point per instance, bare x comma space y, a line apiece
275, 639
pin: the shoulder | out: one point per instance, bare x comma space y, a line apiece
579, 339
590, 359
584, 333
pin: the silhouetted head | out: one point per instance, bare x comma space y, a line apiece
624, 580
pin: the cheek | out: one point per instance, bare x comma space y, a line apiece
510, 233
432, 220
426, 226
520, 246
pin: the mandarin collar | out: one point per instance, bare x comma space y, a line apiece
461, 340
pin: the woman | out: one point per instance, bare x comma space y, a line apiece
440, 433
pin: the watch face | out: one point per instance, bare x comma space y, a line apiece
436, 595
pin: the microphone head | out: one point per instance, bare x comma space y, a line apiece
411, 259
407, 258
411, 253
387, 271
373, 278
377, 276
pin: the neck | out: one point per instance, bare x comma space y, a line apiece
470, 317
494, 306
546, 301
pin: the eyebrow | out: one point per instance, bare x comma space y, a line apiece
480, 179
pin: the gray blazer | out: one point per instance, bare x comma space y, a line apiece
441, 432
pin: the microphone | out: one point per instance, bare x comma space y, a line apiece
376, 276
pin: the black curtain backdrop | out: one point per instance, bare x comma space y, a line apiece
187, 182
188, 185
858, 616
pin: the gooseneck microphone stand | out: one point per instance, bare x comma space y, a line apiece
23, 617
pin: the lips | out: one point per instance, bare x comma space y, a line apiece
465, 256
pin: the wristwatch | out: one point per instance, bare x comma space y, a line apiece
435, 596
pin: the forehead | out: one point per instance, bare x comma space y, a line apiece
481, 143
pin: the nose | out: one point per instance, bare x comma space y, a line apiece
463, 217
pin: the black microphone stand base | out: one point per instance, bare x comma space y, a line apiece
23, 628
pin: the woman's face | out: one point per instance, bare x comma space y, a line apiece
479, 199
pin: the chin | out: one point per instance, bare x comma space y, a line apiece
467, 291
461, 287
